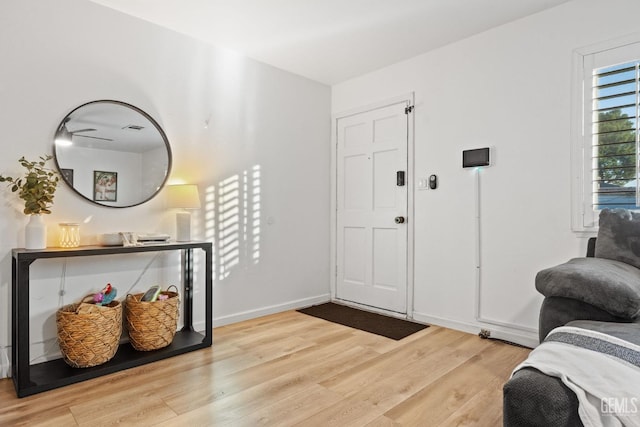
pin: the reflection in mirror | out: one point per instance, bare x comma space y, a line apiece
112, 153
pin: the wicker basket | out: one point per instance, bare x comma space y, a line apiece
89, 337
152, 325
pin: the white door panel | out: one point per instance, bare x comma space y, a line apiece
384, 187
385, 259
355, 173
371, 248
354, 265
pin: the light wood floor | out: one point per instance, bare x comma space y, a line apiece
292, 369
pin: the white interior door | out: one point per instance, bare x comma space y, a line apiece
371, 252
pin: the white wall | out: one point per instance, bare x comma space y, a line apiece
153, 165
509, 88
264, 150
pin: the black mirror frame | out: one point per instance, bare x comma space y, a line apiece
139, 111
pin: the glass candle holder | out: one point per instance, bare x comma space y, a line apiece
69, 234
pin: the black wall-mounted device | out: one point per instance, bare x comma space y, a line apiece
476, 157
400, 178
433, 182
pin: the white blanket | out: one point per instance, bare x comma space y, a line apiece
603, 371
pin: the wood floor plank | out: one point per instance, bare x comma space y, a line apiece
404, 381
345, 413
292, 369
440, 399
217, 384
377, 369
51, 418
296, 382
390, 383
479, 411
122, 408
383, 421
293, 409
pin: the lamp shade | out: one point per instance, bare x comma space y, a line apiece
184, 196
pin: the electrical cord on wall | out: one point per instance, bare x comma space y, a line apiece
63, 279
142, 274
478, 259
51, 344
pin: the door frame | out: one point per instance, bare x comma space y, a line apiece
408, 99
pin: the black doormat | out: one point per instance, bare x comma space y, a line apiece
379, 324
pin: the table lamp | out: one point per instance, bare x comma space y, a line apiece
185, 197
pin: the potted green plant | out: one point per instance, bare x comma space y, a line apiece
36, 188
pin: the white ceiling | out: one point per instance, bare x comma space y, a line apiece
330, 41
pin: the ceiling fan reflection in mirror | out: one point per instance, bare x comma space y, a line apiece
64, 136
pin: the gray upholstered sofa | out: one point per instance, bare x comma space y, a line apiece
600, 292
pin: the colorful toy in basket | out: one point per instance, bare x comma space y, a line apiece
151, 294
106, 295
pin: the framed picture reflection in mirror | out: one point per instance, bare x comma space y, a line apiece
105, 186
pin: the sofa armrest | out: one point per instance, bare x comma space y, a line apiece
533, 399
558, 311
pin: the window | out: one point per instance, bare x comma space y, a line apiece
614, 136
606, 160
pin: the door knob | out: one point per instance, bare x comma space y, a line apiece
399, 219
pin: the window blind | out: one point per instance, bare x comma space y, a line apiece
616, 91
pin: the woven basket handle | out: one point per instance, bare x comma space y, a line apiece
174, 287
88, 296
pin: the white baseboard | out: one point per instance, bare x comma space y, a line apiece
264, 311
528, 339
5, 366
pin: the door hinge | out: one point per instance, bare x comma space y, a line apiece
408, 109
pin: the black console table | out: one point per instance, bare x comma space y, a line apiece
30, 379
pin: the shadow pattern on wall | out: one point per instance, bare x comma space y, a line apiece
232, 221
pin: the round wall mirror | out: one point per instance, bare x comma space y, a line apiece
112, 153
